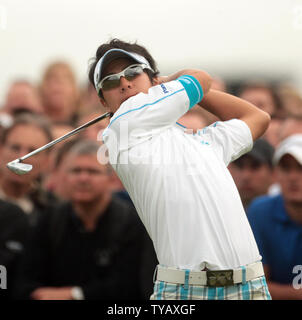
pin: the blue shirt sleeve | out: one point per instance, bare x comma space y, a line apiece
193, 89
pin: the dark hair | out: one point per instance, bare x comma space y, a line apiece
127, 46
29, 119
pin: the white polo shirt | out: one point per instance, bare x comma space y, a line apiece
179, 182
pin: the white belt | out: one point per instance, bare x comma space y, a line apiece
214, 278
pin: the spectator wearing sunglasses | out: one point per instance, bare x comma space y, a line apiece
179, 182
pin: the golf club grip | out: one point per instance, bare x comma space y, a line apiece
67, 135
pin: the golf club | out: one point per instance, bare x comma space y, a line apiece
20, 168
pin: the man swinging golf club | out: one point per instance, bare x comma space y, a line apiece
179, 182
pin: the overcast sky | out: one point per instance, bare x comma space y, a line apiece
230, 38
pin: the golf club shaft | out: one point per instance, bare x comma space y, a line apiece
67, 135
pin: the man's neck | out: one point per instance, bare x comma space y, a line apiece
89, 212
294, 210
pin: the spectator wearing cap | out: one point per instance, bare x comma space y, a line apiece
253, 172
277, 222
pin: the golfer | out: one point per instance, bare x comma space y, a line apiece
179, 182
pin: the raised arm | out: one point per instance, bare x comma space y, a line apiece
226, 106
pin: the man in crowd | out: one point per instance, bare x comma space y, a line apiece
22, 96
291, 125
265, 97
14, 230
90, 247
253, 172
277, 222
27, 133
60, 93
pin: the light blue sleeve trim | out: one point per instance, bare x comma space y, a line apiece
193, 89
181, 125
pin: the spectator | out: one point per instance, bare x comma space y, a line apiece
27, 133
88, 248
290, 126
264, 97
291, 100
94, 133
277, 221
253, 172
59, 92
13, 234
57, 175
22, 96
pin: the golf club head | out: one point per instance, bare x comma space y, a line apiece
18, 167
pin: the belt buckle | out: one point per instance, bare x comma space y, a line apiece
219, 278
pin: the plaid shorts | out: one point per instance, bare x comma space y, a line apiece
255, 289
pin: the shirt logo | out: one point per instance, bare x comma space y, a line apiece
164, 88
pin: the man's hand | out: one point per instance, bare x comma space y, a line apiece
52, 293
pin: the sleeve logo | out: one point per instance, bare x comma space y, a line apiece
164, 88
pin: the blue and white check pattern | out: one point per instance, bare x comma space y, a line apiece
255, 289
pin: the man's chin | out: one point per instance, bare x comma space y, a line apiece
83, 199
18, 179
125, 99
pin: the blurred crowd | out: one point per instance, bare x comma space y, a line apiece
68, 229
